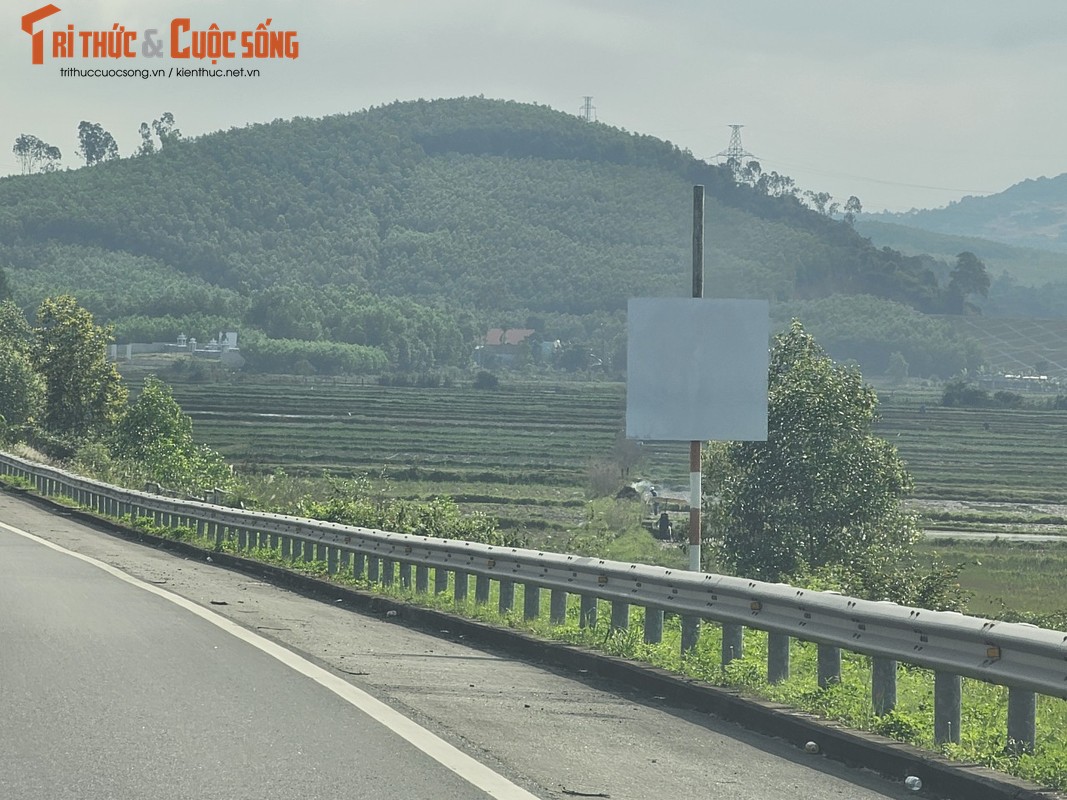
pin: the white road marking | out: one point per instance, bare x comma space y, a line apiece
472, 771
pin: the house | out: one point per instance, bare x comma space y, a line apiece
502, 347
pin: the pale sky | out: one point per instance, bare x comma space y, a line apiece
904, 103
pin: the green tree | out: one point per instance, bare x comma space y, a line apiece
898, 368
166, 130
21, 388
853, 206
148, 145
84, 395
158, 436
32, 154
95, 144
820, 501
968, 277
14, 329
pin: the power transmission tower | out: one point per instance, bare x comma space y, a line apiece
735, 153
588, 110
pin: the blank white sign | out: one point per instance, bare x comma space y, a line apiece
696, 369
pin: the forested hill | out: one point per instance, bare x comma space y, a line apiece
410, 227
1032, 213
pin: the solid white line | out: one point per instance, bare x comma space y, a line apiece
472, 771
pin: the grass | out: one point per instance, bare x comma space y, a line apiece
1028, 580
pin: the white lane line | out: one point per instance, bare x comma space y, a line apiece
472, 771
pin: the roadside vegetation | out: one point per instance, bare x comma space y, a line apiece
823, 443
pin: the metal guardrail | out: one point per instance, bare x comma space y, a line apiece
1027, 659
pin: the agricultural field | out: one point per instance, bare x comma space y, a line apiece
543, 444
1016, 345
533, 455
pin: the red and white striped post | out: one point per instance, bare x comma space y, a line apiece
694, 446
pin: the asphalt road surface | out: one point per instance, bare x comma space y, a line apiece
128, 673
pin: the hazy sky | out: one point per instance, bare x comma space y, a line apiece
904, 103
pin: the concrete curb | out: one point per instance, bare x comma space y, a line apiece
891, 759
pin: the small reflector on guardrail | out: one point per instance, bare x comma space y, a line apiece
601, 579
491, 563
992, 651
756, 605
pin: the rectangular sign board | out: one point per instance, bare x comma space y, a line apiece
696, 369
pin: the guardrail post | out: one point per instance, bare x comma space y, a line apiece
947, 699
344, 562
620, 615
557, 607
733, 642
287, 548
440, 580
507, 596
388, 571
481, 590
359, 565
374, 569
690, 633
587, 612
331, 560
531, 601
422, 579
883, 685
777, 657
1022, 721
653, 625
461, 582
405, 574
829, 665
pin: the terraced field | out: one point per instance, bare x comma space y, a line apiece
533, 444
1016, 345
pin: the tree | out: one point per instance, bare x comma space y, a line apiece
148, 145
822, 202
5, 287
157, 435
33, 153
852, 208
21, 388
14, 329
84, 395
898, 367
95, 144
968, 277
166, 130
820, 501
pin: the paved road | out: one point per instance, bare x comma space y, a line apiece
147, 689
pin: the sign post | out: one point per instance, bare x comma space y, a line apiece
696, 370
694, 446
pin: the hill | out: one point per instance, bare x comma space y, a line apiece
1032, 213
394, 236
1027, 266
